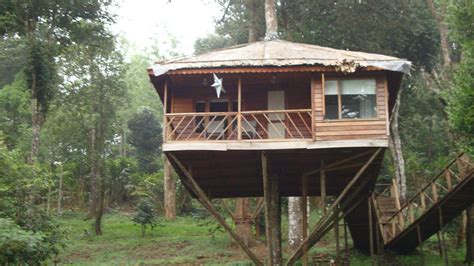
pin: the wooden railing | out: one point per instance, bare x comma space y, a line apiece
246, 125
428, 196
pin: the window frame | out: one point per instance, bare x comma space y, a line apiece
339, 99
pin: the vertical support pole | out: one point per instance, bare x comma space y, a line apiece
440, 233
423, 202
336, 233
239, 109
323, 187
165, 101
434, 190
304, 213
371, 237
420, 243
272, 213
346, 245
313, 134
448, 179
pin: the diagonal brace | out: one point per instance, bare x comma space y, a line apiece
205, 201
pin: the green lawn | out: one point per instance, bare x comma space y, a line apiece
191, 241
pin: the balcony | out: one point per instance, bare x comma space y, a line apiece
277, 125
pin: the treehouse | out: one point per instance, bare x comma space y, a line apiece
277, 118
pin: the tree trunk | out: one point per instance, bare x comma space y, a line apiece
170, 192
395, 146
442, 28
36, 129
60, 190
271, 21
470, 235
295, 232
250, 5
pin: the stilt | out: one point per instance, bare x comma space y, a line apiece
323, 187
371, 232
201, 196
470, 235
336, 234
272, 213
420, 242
304, 213
443, 247
346, 245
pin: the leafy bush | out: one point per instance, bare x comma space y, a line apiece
19, 246
145, 215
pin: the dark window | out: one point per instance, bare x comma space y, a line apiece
199, 120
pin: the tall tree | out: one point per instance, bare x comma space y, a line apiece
46, 27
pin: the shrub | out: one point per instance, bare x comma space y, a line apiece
145, 215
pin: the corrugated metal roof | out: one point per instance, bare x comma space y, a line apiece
283, 53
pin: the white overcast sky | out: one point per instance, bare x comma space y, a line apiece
139, 21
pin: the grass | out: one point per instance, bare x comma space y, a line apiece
191, 241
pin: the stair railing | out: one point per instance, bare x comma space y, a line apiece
440, 185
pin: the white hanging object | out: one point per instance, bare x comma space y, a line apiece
218, 85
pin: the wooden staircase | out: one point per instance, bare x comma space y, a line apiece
405, 226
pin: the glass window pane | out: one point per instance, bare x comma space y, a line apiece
358, 86
330, 87
331, 106
358, 99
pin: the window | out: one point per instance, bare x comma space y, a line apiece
350, 99
199, 120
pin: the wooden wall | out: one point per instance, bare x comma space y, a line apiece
349, 129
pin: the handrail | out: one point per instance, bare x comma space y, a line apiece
428, 184
248, 125
434, 190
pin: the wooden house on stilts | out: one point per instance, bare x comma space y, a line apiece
275, 119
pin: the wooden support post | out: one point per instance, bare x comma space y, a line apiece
323, 187
442, 244
346, 244
470, 235
371, 232
336, 233
423, 201
206, 202
272, 213
169, 188
165, 100
229, 211
420, 241
313, 117
449, 182
434, 190
304, 213
239, 109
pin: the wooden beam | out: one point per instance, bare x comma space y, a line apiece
304, 213
206, 202
258, 209
371, 232
165, 101
323, 187
272, 213
239, 109
313, 117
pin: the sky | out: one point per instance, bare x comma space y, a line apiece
141, 21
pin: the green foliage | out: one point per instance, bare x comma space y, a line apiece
146, 138
20, 246
461, 101
14, 112
145, 215
27, 233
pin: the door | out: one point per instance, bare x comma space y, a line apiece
276, 128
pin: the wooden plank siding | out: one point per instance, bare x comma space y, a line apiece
341, 129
